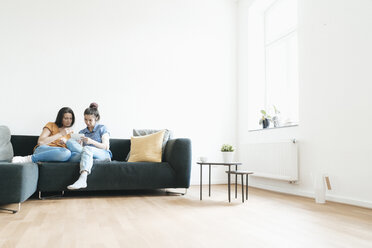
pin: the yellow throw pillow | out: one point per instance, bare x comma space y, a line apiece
146, 148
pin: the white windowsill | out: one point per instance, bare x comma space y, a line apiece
271, 128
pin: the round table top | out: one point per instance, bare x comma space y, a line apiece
239, 172
219, 163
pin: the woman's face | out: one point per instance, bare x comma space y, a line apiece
67, 120
90, 120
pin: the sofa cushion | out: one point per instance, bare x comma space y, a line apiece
119, 148
23, 145
147, 148
168, 134
6, 149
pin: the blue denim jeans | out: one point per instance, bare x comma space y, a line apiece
86, 154
45, 153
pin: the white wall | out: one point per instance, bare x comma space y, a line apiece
147, 63
335, 58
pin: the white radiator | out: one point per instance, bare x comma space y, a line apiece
277, 160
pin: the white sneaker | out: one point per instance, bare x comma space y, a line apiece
22, 159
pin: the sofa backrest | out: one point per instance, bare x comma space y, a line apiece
23, 145
119, 148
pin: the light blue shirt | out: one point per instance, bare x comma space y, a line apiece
96, 134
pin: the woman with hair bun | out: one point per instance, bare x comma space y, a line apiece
94, 145
51, 145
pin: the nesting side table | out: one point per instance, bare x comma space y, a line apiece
216, 163
241, 173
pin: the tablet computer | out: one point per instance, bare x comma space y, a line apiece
77, 136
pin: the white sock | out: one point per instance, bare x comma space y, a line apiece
22, 159
81, 183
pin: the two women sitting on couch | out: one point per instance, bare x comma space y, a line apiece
55, 143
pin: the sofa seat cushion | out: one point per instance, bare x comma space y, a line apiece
114, 175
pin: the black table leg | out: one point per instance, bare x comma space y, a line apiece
246, 181
229, 183
201, 176
209, 180
236, 182
242, 188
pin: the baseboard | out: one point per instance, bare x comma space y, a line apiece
281, 190
350, 201
309, 194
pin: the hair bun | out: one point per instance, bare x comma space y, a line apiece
93, 105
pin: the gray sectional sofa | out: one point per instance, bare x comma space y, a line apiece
19, 181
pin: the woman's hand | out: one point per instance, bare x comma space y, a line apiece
87, 140
65, 131
62, 141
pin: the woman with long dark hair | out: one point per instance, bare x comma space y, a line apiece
51, 145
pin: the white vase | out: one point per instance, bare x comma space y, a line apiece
276, 121
228, 157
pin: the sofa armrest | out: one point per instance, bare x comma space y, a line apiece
17, 182
178, 155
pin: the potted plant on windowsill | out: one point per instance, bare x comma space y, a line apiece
265, 119
227, 153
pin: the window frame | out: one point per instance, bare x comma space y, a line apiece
281, 37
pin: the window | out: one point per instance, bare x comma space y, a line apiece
272, 66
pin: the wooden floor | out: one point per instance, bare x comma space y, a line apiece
154, 219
